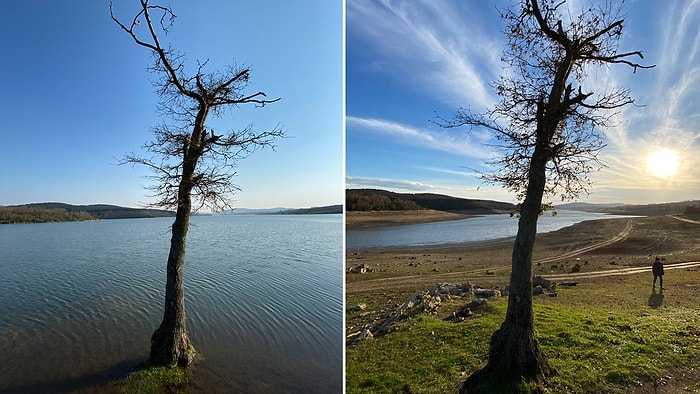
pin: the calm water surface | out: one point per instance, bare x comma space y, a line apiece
466, 230
79, 301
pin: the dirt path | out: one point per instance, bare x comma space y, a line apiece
685, 219
621, 271
619, 237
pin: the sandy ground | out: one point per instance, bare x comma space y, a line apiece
599, 245
354, 219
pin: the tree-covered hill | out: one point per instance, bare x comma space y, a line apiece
383, 200
328, 209
60, 212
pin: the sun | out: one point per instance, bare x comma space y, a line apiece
662, 163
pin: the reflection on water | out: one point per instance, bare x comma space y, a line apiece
264, 301
456, 231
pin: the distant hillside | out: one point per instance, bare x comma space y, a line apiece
328, 209
60, 212
587, 207
286, 211
383, 200
253, 211
670, 208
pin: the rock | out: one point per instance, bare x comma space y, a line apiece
487, 293
444, 288
359, 307
489, 272
477, 303
361, 269
456, 291
432, 305
537, 290
467, 310
436, 270
576, 268
544, 283
365, 334
460, 315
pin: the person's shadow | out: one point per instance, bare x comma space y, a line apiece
656, 299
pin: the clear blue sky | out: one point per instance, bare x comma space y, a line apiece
76, 97
407, 60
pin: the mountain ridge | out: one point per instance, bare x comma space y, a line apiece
47, 212
384, 200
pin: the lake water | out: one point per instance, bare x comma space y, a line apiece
456, 231
79, 301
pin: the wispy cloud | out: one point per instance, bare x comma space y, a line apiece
391, 184
466, 173
441, 46
670, 118
458, 143
434, 47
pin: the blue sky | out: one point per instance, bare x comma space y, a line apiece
407, 60
76, 97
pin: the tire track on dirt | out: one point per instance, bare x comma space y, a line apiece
621, 236
682, 219
621, 271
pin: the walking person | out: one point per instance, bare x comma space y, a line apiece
658, 270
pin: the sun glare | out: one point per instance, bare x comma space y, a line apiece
662, 163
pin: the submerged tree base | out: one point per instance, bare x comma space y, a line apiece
170, 350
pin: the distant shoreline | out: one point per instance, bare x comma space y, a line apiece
619, 242
370, 219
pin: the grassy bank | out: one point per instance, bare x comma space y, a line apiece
601, 336
146, 379
154, 380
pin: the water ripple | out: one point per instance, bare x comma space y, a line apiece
263, 296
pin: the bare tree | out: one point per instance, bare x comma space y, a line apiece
192, 164
548, 126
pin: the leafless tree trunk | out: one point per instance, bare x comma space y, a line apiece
190, 163
549, 135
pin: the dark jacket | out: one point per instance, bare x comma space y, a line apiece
657, 268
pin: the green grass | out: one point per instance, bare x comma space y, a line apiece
154, 380
597, 344
425, 354
145, 379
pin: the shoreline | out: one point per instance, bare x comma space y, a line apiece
371, 219
593, 245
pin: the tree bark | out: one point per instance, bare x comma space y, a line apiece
515, 355
170, 344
